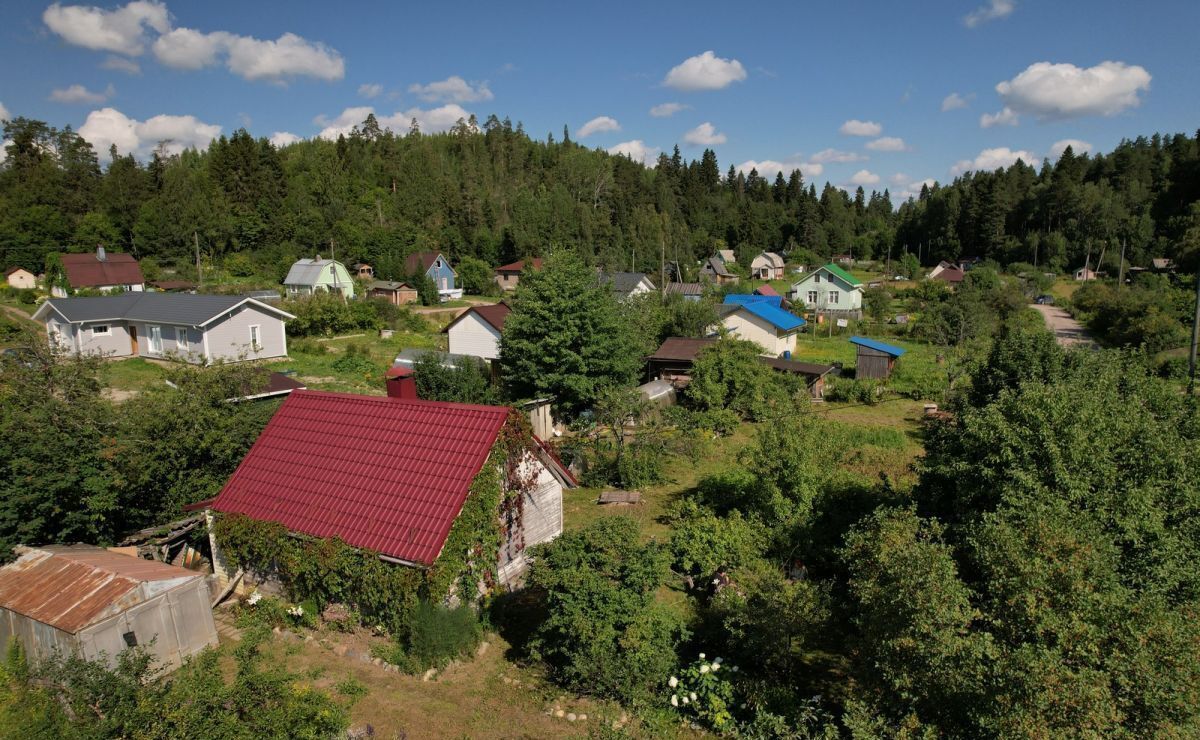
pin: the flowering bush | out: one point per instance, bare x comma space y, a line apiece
704, 690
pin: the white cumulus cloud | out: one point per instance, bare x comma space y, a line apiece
122, 30
837, 155
4, 114
598, 125
954, 101
370, 90
704, 135
768, 168
705, 71
453, 89
250, 58
887, 144
1057, 91
121, 64
1078, 146
635, 150
80, 94
109, 126
994, 159
283, 138
864, 177
1005, 117
430, 121
855, 127
994, 10
666, 110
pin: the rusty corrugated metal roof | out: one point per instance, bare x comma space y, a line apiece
72, 587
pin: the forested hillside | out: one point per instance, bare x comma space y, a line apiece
492, 192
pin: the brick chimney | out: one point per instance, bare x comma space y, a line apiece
400, 382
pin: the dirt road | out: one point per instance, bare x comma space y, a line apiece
1067, 331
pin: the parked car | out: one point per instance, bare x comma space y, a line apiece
1045, 300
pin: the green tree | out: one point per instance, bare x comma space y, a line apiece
565, 337
604, 634
475, 276
729, 374
467, 382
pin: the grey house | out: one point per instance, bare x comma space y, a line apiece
192, 328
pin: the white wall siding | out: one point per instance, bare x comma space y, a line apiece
475, 337
542, 521
745, 325
229, 337
114, 344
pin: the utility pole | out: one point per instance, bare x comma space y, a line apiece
199, 272
662, 265
332, 250
1195, 340
1121, 269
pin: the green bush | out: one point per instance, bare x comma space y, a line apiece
437, 635
866, 391
356, 360
307, 346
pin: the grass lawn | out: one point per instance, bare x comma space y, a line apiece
133, 374
917, 369
316, 363
1064, 288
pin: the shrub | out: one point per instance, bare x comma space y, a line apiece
437, 635
356, 360
865, 391
308, 346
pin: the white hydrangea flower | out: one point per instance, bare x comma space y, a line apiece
718, 660
692, 696
673, 682
674, 700
715, 667
254, 598
701, 656
704, 668
735, 669
686, 700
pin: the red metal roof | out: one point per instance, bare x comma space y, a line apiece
494, 315
380, 473
519, 265
85, 271
73, 587
420, 262
766, 290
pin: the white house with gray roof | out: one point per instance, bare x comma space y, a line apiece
192, 328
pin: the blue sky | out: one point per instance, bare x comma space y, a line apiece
777, 85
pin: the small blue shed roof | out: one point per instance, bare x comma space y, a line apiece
777, 317
880, 346
741, 299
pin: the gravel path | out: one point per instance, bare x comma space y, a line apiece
1067, 331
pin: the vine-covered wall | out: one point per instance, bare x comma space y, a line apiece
330, 571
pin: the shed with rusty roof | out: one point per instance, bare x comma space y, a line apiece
95, 602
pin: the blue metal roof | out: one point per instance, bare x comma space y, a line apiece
741, 299
880, 346
778, 318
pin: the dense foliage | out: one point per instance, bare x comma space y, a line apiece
69, 697
78, 468
490, 192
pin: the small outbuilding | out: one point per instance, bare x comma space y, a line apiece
477, 331
95, 603
20, 278
687, 291
396, 293
507, 276
767, 266
875, 359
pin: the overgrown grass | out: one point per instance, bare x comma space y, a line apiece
134, 374
315, 363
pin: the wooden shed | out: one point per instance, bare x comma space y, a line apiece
95, 602
394, 292
875, 359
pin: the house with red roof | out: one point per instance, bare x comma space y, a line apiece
507, 276
101, 271
476, 332
391, 475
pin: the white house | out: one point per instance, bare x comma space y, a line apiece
182, 326
21, 279
761, 319
1085, 273
626, 285
476, 332
767, 266
829, 289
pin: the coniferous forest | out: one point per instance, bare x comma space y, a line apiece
492, 192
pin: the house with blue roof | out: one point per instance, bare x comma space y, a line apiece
875, 359
761, 319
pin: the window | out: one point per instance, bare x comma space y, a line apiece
812, 297
817, 278
833, 297
130, 639
255, 337
100, 330
181, 338
155, 338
